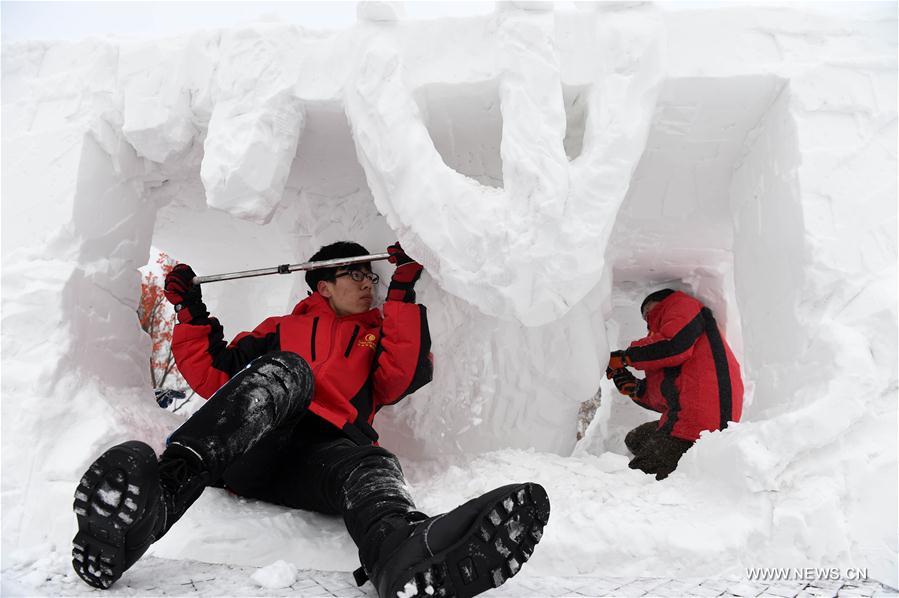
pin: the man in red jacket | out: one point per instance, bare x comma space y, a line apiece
289, 421
692, 379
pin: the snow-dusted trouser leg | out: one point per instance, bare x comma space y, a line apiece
374, 489
636, 438
367, 486
364, 483
272, 392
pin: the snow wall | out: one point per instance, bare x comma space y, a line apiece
549, 168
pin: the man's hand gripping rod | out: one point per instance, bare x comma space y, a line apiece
288, 268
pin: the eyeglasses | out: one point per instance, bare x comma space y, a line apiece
360, 275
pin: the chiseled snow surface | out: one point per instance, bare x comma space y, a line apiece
745, 154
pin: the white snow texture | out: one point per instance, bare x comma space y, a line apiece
549, 167
279, 574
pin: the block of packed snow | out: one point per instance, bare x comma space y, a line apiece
157, 114
256, 120
248, 154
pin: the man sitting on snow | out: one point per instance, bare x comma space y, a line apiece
692, 379
289, 421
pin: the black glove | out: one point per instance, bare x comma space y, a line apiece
407, 273
186, 296
659, 455
625, 382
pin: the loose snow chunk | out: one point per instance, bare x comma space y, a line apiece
110, 497
495, 517
279, 574
515, 529
410, 590
514, 566
498, 577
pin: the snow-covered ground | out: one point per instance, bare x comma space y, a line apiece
160, 577
549, 168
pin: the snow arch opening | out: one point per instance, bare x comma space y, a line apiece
465, 123
712, 210
325, 199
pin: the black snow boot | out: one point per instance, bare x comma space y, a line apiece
473, 548
125, 501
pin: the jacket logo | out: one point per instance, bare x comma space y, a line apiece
368, 341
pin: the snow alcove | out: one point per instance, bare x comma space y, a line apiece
693, 220
549, 166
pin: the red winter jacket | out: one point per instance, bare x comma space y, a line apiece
360, 362
692, 377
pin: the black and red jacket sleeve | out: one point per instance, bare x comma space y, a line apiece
206, 362
403, 360
673, 335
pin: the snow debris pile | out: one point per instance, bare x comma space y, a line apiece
549, 168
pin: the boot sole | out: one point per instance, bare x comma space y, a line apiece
111, 498
501, 539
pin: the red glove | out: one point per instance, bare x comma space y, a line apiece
186, 296
618, 360
407, 273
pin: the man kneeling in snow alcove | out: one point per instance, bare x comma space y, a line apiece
692, 379
289, 421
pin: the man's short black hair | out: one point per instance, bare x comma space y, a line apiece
331, 252
655, 296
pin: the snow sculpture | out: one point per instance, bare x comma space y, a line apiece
529, 250
767, 185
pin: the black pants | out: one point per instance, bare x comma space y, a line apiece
637, 437
256, 437
655, 452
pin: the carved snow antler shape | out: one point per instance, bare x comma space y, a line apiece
535, 248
